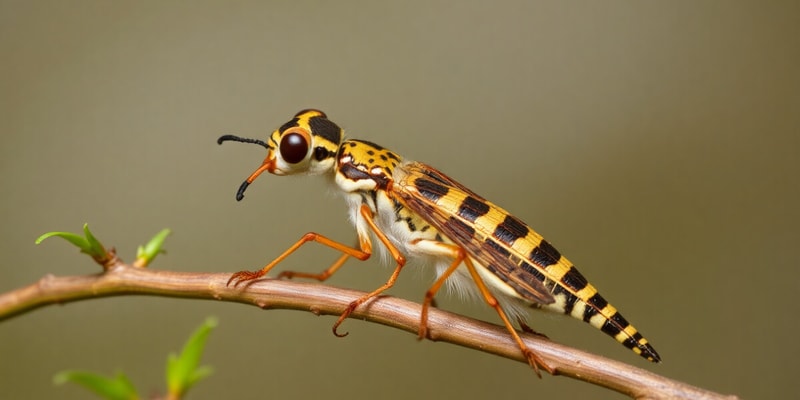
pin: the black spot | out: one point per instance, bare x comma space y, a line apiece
472, 208
321, 153
392, 156
370, 152
510, 230
323, 127
430, 190
384, 158
411, 226
371, 161
574, 280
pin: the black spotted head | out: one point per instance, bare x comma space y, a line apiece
307, 144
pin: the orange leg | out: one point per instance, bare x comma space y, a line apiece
399, 258
460, 256
322, 276
363, 254
429, 295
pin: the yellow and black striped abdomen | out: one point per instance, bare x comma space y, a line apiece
520, 257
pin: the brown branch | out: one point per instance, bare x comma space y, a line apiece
327, 300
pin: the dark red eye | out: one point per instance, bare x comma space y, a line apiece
294, 148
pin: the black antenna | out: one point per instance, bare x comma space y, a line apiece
234, 138
240, 192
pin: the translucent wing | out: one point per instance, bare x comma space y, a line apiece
498, 241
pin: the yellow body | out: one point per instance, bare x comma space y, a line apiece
420, 213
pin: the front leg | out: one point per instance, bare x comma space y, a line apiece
362, 254
322, 276
369, 218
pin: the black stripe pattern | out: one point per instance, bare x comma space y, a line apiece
472, 208
323, 127
430, 189
574, 280
510, 230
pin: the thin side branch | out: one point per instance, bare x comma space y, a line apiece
327, 300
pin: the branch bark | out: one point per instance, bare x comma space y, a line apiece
321, 299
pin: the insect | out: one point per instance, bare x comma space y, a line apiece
419, 213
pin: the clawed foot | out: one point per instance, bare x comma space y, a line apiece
536, 363
349, 310
244, 276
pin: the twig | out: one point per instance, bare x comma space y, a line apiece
327, 300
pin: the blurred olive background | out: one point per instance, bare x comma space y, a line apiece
655, 144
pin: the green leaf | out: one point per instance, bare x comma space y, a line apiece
79, 241
116, 388
183, 371
96, 248
88, 244
145, 254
